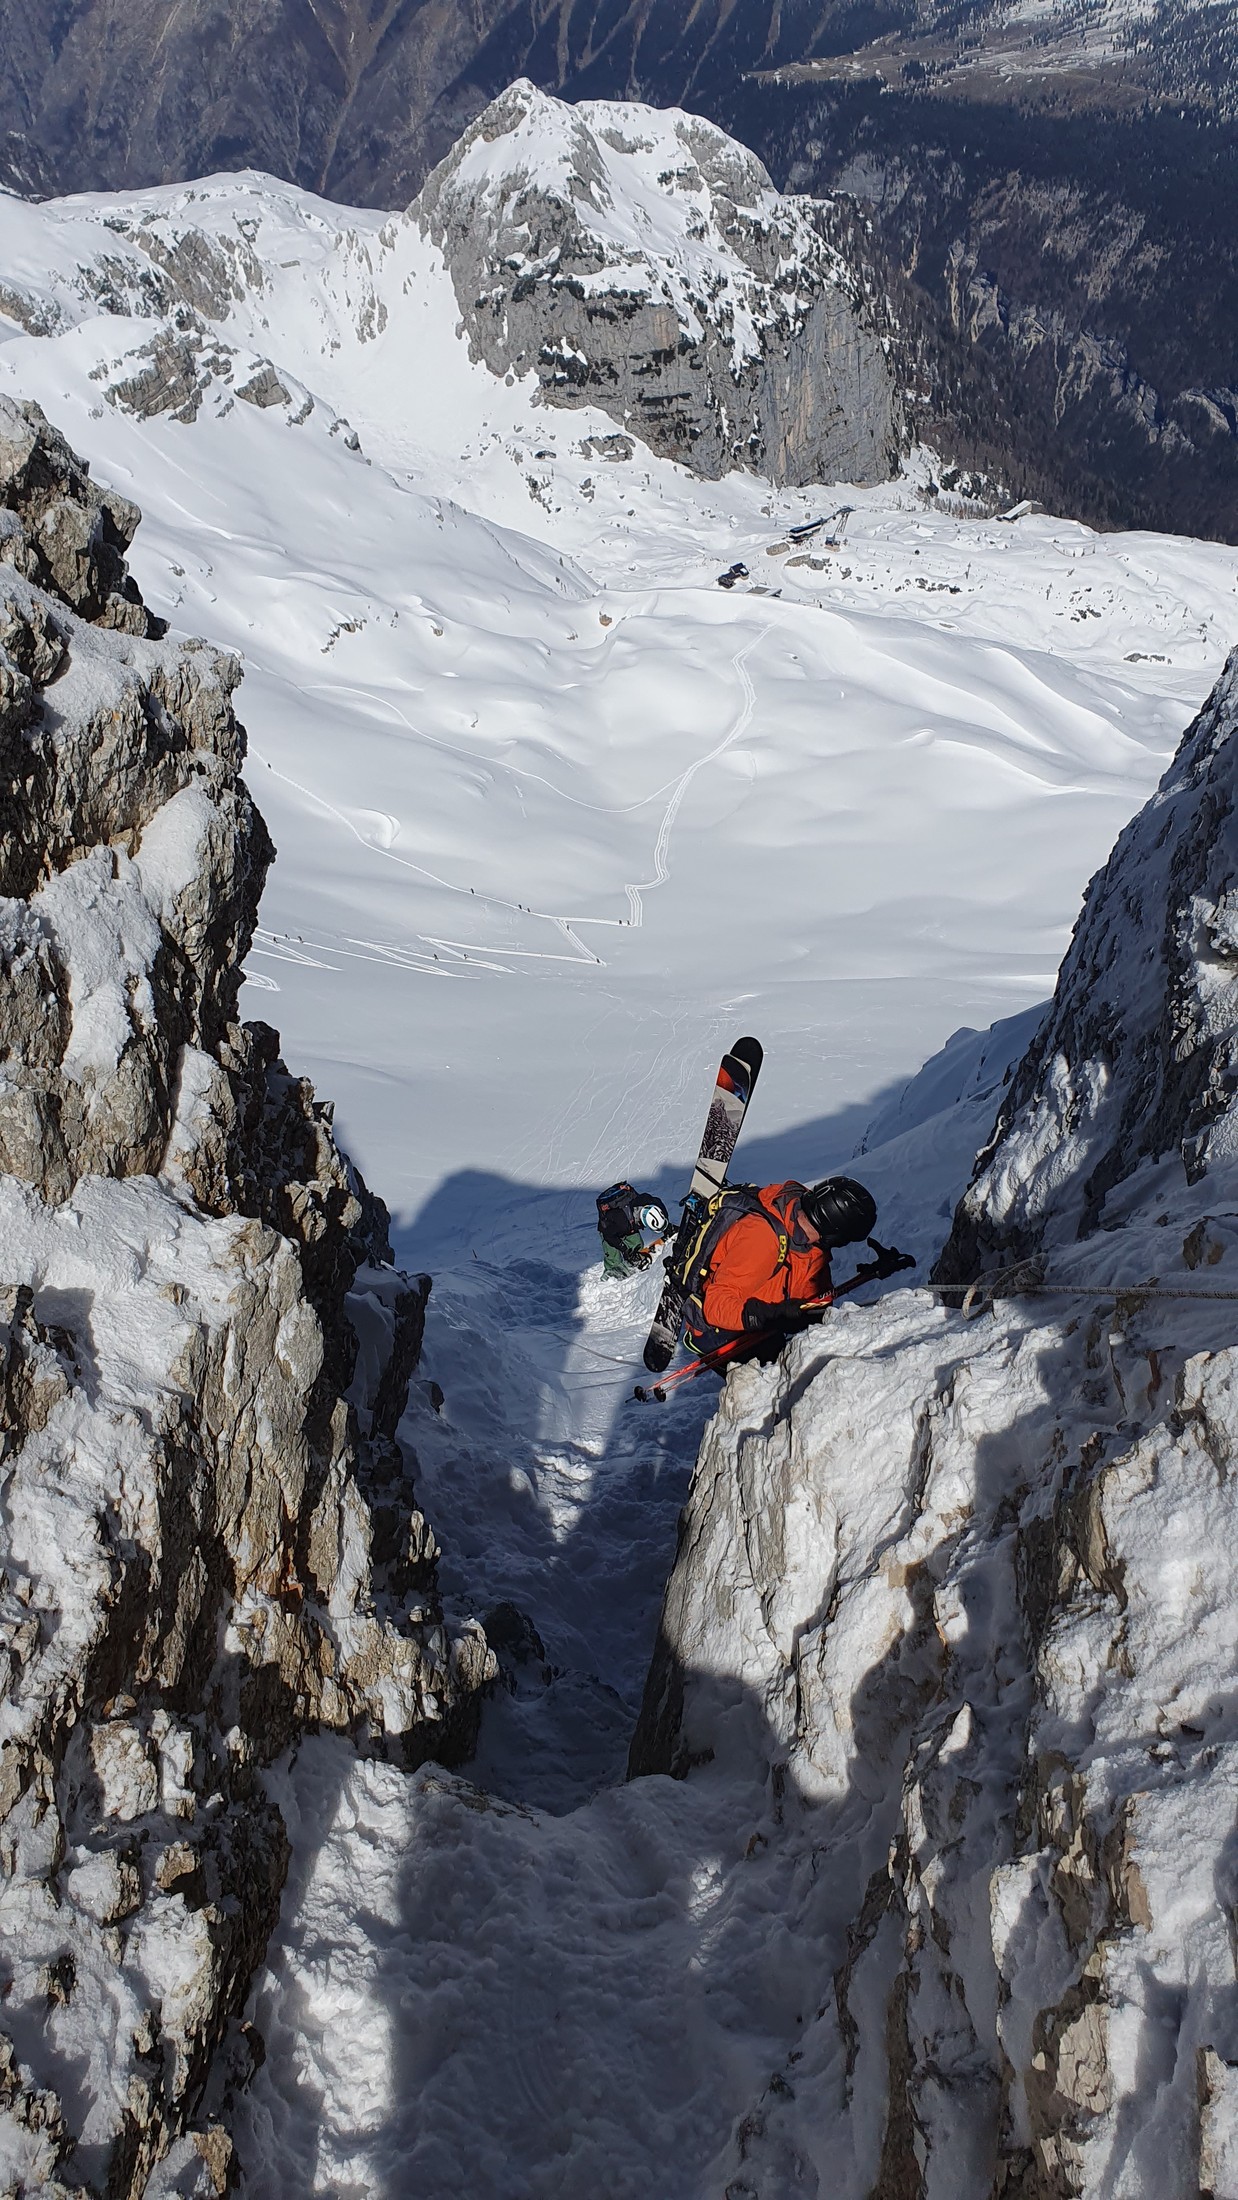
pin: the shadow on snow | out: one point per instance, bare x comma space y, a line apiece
535, 1905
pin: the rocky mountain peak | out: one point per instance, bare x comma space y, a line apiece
546, 139
641, 260
613, 254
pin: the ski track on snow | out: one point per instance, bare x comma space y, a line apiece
661, 851
476, 955
472, 953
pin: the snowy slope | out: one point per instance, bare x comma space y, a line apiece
600, 755
556, 816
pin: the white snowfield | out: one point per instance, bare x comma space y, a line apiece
557, 817
543, 793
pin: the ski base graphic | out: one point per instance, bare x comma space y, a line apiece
737, 1075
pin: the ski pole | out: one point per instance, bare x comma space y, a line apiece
750, 1343
888, 1263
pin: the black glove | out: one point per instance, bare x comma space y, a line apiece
887, 1263
761, 1314
641, 1259
792, 1314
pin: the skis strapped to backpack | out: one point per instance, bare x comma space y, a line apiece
737, 1075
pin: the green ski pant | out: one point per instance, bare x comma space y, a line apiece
617, 1260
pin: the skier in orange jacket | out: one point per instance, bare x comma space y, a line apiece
770, 1263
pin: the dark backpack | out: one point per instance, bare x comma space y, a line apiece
616, 1196
696, 1263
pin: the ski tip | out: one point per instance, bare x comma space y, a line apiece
750, 1051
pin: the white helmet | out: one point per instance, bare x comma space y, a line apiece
652, 1215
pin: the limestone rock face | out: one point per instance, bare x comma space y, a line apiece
963, 1593
962, 1590
643, 262
611, 255
1137, 1061
209, 1536
63, 532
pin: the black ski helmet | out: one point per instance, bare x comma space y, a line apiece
840, 1209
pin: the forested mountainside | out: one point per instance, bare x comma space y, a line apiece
1053, 197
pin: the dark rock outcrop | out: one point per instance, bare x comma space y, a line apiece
210, 1542
1137, 1059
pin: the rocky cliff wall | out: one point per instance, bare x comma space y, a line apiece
964, 1591
209, 1540
643, 262
1136, 1064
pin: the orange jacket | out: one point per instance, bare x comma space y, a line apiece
753, 1261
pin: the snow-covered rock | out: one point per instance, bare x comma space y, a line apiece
965, 1589
1138, 1059
642, 261
615, 257
206, 1544
173, 292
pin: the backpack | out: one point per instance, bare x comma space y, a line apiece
615, 1195
715, 1219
